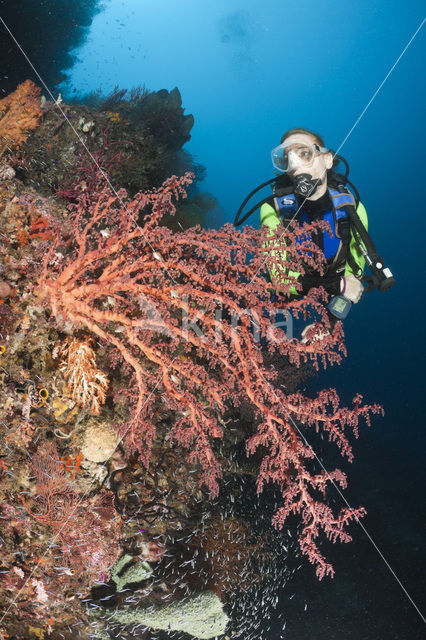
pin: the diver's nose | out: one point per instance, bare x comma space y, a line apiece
294, 162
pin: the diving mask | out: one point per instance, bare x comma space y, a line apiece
289, 156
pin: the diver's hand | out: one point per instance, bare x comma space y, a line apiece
351, 288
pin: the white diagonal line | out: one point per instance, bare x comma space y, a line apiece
80, 139
115, 192
106, 177
351, 130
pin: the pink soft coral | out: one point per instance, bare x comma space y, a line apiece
166, 302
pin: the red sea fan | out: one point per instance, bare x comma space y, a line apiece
85, 527
184, 311
55, 500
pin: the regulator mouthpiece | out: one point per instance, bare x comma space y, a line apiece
305, 185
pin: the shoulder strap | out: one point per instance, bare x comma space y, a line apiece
358, 229
360, 234
286, 206
342, 201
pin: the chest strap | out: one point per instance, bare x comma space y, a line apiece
335, 247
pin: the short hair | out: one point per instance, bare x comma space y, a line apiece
318, 139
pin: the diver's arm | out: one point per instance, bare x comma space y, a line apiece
270, 218
354, 247
350, 284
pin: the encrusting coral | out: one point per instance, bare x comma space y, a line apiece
99, 441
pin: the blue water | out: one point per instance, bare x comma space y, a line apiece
248, 70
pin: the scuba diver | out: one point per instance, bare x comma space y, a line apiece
309, 189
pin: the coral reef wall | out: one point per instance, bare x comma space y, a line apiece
122, 372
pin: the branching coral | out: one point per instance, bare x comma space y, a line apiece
55, 500
185, 312
85, 521
86, 383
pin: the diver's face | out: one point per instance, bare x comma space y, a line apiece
316, 167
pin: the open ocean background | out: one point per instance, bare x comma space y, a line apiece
248, 70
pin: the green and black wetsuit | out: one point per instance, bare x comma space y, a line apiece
340, 250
